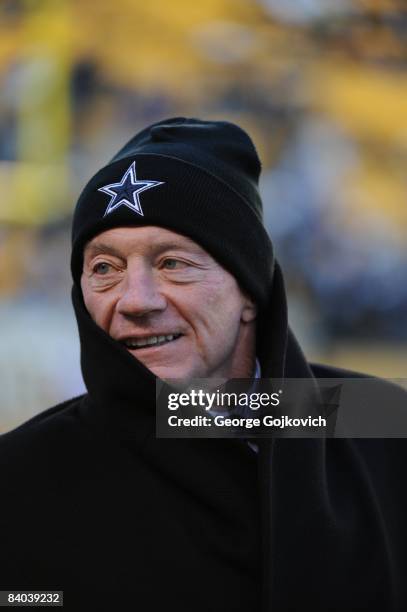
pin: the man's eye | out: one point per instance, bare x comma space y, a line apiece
102, 268
173, 264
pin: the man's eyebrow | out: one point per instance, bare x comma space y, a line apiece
99, 248
171, 245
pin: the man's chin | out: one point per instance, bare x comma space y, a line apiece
181, 375
185, 381
176, 377
168, 373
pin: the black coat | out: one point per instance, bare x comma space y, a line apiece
92, 503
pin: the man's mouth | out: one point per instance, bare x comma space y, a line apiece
153, 341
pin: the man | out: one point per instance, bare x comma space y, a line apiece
175, 277
169, 303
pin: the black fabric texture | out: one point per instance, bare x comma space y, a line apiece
209, 172
95, 505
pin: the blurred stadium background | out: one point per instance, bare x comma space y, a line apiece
321, 85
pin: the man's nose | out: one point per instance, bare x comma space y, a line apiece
141, 293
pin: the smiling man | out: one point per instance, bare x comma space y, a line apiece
175, 277
174, 307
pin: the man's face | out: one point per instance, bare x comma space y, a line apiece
169, 302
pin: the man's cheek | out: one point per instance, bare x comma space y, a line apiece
215, 300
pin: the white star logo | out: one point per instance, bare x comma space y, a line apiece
126, 192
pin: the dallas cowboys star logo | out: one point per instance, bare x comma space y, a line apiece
127, 191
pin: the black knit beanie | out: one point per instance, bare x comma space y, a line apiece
197, 178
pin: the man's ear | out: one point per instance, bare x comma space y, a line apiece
249, 312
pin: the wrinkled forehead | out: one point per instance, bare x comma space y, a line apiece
145, 240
